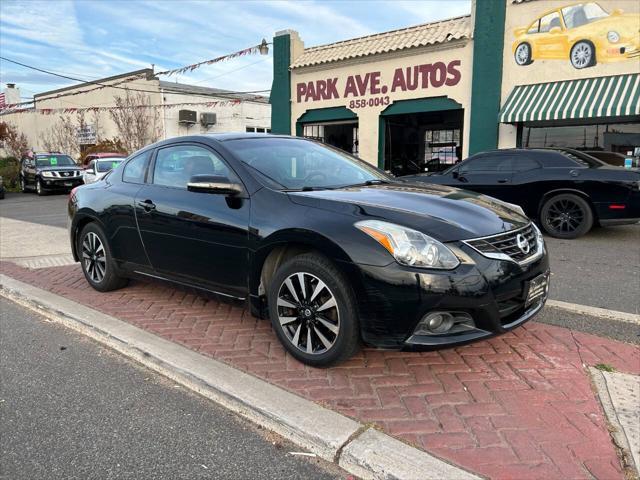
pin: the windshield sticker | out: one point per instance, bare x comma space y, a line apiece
114, 164
53, 160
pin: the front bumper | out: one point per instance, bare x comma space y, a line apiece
66, 183
393, 299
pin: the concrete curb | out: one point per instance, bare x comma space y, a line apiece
355, 447
617, 431
594, 311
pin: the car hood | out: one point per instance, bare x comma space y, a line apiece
445, 213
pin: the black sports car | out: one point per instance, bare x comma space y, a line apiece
566, 190
331, 249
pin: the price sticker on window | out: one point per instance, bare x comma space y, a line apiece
114, 164
53, 160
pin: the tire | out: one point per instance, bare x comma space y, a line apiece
96, 260
23, 185
566, 216
39, 189
582, 55
522, 55
334, 333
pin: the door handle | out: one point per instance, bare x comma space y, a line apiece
503, 180
147, 205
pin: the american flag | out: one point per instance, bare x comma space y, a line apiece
3, 103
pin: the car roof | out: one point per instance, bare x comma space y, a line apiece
107, 154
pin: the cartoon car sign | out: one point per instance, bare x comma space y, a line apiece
583, 33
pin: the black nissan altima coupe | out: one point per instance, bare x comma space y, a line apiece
332, 250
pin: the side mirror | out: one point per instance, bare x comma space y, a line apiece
213, 184
555, 31
455, 174
90, 171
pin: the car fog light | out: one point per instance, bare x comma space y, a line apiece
439, 323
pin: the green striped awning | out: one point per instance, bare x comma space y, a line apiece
614, 96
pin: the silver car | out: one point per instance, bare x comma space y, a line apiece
98, 168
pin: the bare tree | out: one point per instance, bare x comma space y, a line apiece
62, 136
136, 120
14, 142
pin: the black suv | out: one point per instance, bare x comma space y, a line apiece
49, 171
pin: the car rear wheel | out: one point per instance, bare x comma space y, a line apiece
583, 55
313, 311
566, 216
523, 54
96, 260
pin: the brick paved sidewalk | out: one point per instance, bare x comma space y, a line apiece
514, 407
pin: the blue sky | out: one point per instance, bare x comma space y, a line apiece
92, 39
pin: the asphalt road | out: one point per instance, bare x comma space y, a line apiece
70, 408
46, 210
601, 269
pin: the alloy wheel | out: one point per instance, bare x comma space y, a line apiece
38, 188
581, 55
522, 54
308, 313
565, 216
22, 185
94, 257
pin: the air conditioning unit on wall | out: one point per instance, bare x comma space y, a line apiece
187, 117
207, 119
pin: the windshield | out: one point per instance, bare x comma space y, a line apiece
296, 164
54, 161
578, 15
106, 164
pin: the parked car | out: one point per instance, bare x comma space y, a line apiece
98, 168
566, 190
1, 189
583, 33
50, 171
100, 155
331, 249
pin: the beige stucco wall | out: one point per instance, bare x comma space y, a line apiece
386, 64
230, 118
520, 15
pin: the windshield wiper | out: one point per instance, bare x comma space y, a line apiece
368, 183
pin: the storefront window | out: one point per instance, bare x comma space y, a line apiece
613, 137
441, 149
343, 135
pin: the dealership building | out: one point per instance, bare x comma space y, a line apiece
513, 73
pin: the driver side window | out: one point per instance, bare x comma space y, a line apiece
487, 164
176, 165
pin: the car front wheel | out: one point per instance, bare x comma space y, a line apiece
566, 216
39, 190
583, 55
97, 263
523, 54
313, 311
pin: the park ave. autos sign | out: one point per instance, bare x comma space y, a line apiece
416, 77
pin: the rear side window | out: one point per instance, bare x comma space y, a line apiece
522, 163
135, 168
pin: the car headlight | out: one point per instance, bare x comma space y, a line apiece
47, 174
613, 36
409, 247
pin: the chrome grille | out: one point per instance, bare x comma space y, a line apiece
510, 245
